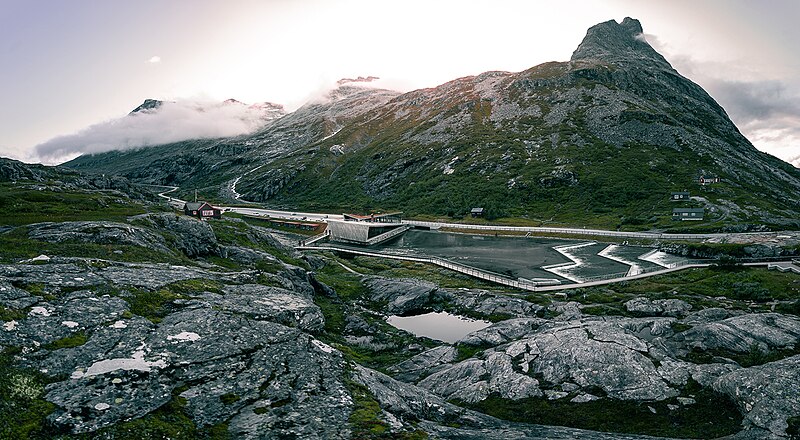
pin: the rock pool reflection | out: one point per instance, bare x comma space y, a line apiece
441, 326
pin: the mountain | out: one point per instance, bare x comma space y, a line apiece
148, 104
210, 163
601, 140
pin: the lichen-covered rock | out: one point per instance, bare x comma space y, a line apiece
474, 380
767, 395
15, 298
269, 303
489, 303
243, 352
221, 353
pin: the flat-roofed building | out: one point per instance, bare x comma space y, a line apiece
366, 229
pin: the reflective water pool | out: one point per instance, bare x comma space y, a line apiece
441, 326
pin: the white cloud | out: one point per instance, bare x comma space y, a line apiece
172, 122
154, 59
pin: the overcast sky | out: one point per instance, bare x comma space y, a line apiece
69, 65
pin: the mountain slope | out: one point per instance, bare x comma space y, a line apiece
599, 140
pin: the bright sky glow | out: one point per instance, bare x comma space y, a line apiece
68, 65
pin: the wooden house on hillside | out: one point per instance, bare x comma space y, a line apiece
708, 180
684, 214
201, 210
679, 196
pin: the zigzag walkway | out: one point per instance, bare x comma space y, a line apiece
549, 285
523, 284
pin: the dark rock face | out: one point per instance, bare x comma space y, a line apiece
619, 43
402, 296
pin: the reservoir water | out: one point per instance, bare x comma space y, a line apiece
512, 256
441, 326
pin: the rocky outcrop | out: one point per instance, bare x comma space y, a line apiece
589, 353
424, 363
660, 307
191, 236
503, 331
767, 395
488, 303
73, 273
241, 356
411, 403
764, 331
405, 295
99, 232
402, 296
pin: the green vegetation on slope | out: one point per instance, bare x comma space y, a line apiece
713, 415
24, 205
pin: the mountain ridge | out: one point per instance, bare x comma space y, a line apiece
601, 140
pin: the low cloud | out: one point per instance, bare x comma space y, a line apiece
154, 59
171, 122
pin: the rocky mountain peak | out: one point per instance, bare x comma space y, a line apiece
619, 44
148, 104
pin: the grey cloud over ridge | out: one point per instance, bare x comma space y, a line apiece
767, 111
171, 122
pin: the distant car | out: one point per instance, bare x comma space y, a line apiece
227, 210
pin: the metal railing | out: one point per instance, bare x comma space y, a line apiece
388, 235
577, 231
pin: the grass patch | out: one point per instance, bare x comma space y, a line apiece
24, 205
714, 415
752, 357
229, 398
71, 341
197, 285
12, 314
23, 410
